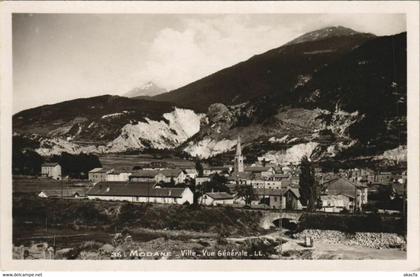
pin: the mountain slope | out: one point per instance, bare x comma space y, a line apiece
275, 72
106, 124
338, 96
328, 32
353, 106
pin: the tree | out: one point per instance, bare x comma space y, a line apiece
216, 183
247, 192
26, 162
199, 168
308, 187
76, 165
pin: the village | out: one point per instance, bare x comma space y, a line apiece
261, 185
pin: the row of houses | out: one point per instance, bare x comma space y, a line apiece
146, 192
165, 175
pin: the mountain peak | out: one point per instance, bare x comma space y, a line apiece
147, 89
324, 33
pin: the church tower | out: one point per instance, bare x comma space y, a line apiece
239, 159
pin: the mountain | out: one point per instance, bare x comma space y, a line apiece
353, 106
277, 71
106, 124
328, 32
148, 89
328, 94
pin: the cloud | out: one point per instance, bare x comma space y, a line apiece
177, 57
201, 46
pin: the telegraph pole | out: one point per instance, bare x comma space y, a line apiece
281, 223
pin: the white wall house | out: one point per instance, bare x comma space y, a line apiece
356, 193
139, 192
191, 173
166, 175
201, 180
118, 176
216, 198
265, 184
51, 170
335, 203
99, 174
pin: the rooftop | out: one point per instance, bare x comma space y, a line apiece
170, 172
146, 189
100, 170
65, 192
219, 195
49, 164
144, 173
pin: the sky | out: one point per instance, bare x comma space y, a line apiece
58, 57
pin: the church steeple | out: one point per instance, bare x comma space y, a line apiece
239, 159
238, 147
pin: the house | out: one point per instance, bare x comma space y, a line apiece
166, 175
160, 165
263, 171
191, 172
118, 176
139, 192
335, 203
356, 192
399, 190
286, 198
221, 170
265, 184
385, 177
63, 193
201, 180
216, 198
99, 174
51, 170
143, 176
241, 178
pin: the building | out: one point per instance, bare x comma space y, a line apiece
201, 180
241, 178
118, 176
51, 170
221, 170
139, 192
265, 184
191, 173
264, 172
385, 177
63, 193
286, 198
143, 176
167, 175
99, 174
239, 159
335, 203
216, 198
158, 165
356, 192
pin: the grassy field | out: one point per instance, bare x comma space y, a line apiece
36, 185
125, 161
